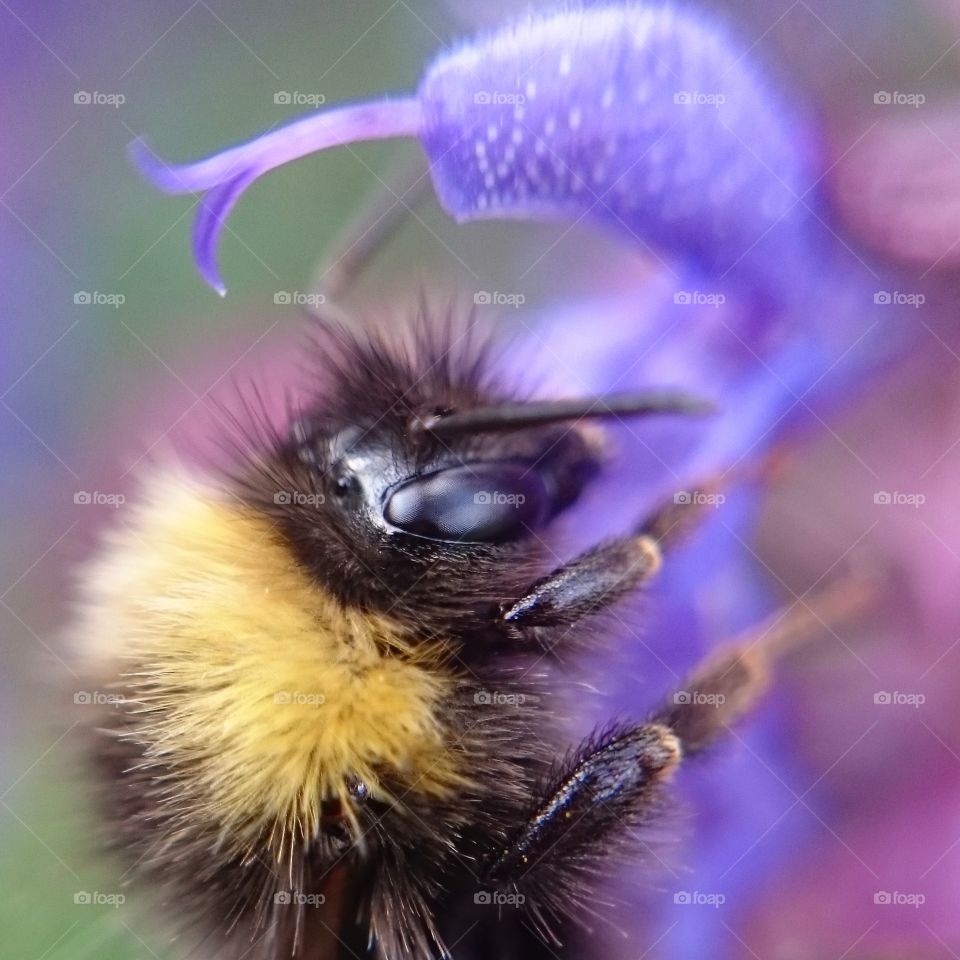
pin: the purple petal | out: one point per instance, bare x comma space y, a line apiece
212, 215
228, 173
643, 117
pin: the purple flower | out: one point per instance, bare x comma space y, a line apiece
644, 118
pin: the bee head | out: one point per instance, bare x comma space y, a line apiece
414, 482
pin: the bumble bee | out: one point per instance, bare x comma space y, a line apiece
328, 736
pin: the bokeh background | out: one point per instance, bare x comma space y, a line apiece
833, 824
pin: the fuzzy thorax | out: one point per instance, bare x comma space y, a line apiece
248, 687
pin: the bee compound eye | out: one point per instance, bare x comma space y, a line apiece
470, 503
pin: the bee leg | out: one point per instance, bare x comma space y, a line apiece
677, 517
611, 783
605, 574
592, 582
597, 791
731, 679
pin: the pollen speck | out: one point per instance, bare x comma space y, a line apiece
574, 118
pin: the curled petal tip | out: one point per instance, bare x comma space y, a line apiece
214, 281
223, 177
212, 212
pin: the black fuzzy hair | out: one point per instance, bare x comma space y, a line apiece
371, 386
391, 373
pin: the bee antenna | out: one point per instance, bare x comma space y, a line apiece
518, 416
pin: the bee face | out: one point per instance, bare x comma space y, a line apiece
491, 491
379, 512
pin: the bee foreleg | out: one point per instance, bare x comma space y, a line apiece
592, 582
605, 574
